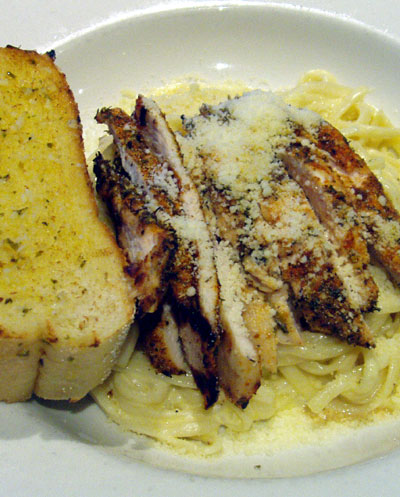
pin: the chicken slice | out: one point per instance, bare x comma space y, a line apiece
239, 366
159, 138
231, 226
367, 196
235, 145
147, 246
195, 286
325, 191
286, 317
151, 157
261, 274
259, 316
159, 335
307, 262
203, 371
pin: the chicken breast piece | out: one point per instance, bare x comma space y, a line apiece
263, 275
239, 366
259, 317
159, 334
247, 341
367, 197
312, 170
307, 262
148, 247
151, 157
162, 142
235, 144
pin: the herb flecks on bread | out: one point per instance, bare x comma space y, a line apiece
65, 303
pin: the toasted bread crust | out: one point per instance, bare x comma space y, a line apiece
65, 303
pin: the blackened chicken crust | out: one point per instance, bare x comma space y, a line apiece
148, 247
303, 259
159, 337
368, 198
161, 178
312, 168
193, 282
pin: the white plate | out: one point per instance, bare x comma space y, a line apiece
104, 47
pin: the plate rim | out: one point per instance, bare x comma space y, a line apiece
188, 478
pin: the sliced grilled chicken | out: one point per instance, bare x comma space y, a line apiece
239, 366
312, 169
148, 246
235, 144
195, 284
159, 334
276, 205
231, 225
262, 276
307, 263
202, 365
286, 318
368, 199
258, 316
191, 225
151, 157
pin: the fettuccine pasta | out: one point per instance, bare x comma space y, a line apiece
324, 379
